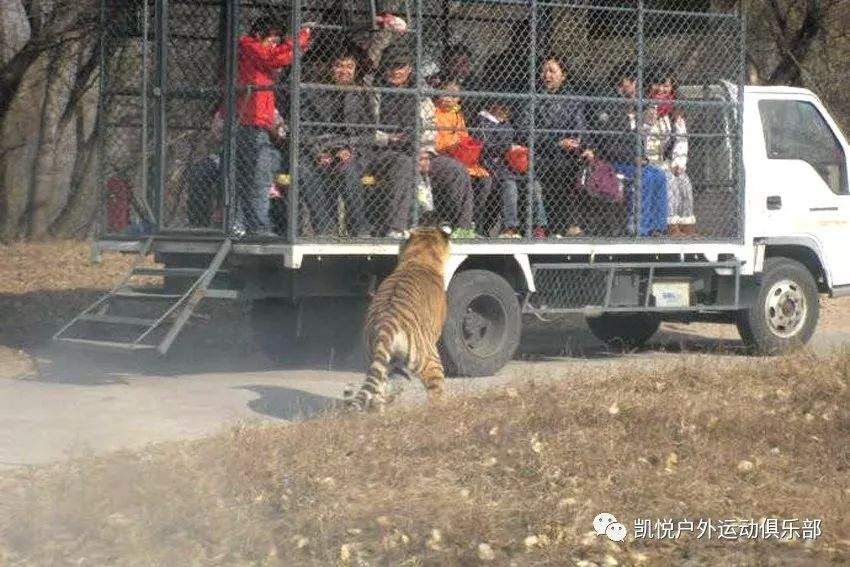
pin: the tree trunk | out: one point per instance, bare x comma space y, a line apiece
47, 126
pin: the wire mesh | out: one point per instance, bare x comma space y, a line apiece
353, 119
571, 289
193, 77
126, 149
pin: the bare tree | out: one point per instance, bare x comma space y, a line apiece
801, 43
48, 109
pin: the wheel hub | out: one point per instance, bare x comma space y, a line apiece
475, 327
786, 309
483, 325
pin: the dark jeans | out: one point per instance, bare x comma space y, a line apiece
566, 206
257, 161
202, 182
486, 213
452, 190
510, 197
393, 196
321, 186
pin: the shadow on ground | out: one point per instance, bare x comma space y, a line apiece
221, 340
289, 404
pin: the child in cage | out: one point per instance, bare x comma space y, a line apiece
201, 179
667, 148
647, 216
453, 144
498, 134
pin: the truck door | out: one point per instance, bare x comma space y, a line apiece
804, 179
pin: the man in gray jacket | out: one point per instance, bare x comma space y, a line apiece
333, 158
395, 114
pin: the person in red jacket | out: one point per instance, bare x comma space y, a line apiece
261, 56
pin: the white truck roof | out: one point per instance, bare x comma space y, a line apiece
767, 89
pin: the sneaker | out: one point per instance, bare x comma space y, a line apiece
237, 231
462, 233
398, 234
540, 232
509, 232
575, 231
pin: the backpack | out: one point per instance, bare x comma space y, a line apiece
468, 151
601, 181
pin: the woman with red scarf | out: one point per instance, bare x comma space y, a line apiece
261, 55
667, 149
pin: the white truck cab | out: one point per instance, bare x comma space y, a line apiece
795, 164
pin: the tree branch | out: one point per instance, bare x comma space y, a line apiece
794, 50
33, 10
779, 16
12, 73
73, 27
81, 83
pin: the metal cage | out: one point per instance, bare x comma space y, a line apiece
506, 120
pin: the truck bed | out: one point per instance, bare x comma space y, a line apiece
293, 254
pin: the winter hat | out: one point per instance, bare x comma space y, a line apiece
395, 56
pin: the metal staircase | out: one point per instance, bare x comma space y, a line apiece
105, 323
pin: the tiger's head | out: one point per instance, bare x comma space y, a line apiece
427, 245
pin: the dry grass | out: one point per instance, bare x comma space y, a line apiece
532, 461
57, 265
42, 284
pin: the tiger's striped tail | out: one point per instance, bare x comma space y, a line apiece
373, 392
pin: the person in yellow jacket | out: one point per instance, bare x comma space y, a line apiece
453, 139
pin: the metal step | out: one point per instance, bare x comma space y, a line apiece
223, 293
179, 307
144, 295
108, 344
188, 272
187, 307
115, 320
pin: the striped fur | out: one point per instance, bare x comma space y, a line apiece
405, 319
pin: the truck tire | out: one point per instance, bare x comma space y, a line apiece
483, 324
785, 312
626, 331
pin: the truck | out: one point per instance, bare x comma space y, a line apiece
768, 166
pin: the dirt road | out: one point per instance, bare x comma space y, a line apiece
67, 402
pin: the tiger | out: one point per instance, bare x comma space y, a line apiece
405, 319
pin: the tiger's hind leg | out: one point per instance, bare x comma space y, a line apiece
372, 394
433, 376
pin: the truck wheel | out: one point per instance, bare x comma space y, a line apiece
785, 312
274, 323
626, 331
483, 324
